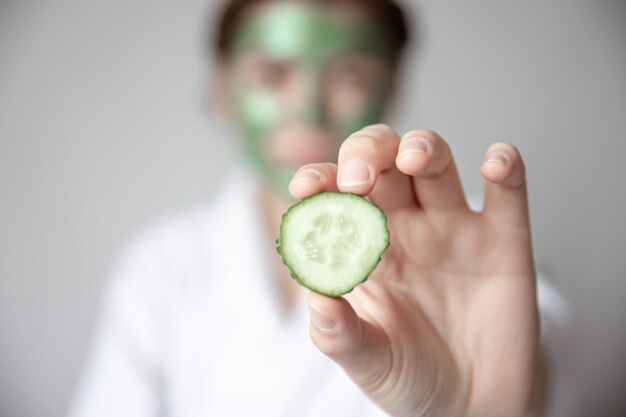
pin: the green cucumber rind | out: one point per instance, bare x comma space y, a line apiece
302, 281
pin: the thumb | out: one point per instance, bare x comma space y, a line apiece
358, 346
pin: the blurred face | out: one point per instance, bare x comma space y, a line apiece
302, 78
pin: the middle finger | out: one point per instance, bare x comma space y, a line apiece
425, 156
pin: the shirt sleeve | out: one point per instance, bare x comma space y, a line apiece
123, 375
559, 345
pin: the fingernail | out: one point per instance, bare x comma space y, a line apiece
355, 172
320, 320
413, 145
306, 175
497, 157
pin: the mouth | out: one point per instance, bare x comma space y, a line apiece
292, 148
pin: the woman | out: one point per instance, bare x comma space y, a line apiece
201, 317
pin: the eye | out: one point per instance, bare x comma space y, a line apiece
357, 72
272, 74
348, 75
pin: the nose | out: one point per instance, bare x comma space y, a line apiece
309, 109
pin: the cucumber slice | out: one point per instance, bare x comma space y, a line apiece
331, 242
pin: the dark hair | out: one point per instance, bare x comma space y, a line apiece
385, 13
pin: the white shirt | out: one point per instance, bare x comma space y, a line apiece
192, 326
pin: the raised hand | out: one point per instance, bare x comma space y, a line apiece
447, 325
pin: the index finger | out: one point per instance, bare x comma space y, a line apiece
367, 167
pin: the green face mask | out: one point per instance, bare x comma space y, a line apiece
309, 37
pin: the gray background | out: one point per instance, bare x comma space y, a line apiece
104, 124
